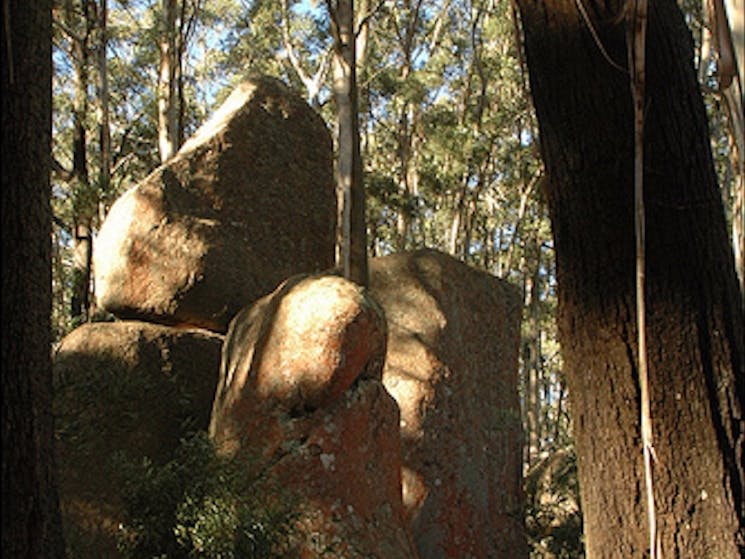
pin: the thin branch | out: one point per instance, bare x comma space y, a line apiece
320, 75
312, 84
57, 167
67, 30
368, 16
437, 27
289, 47
596, 38
61, 224
334, 20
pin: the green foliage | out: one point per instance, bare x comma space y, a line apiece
553, 517
200, 505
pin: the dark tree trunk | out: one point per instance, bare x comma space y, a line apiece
31, 522
82, 253
80, 301
694, 310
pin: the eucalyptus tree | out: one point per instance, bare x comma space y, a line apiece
352, 239
168, 75
76, 22
177, 22
576, 55
307, 49
83, 158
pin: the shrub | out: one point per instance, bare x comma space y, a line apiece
200, 505
553, 516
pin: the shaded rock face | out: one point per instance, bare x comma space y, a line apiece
300, 389
451, 365
128, 387
248, 201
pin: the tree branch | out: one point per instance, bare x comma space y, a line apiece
59, 169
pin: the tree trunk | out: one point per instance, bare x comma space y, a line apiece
82, 259
30, 519
104, 135
532, 351
103, 100
167, 113
350, 188
694, 311
82, 210
454, 244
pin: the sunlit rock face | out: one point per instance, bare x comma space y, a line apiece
451, 365
123, 389
300, 394
248, 201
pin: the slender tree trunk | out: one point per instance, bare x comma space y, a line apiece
167, 94
531, 353
82, 192
350, 188
406, 123
103, 100
30, 509
104, 131
405, 139
529, 186
695, 333
82, 259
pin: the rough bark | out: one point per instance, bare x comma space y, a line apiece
694, 311
30, 520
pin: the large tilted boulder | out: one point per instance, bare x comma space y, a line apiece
248, 201
123, 390
300, 393
451, 365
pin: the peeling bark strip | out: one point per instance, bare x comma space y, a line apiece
694, 315
636, 35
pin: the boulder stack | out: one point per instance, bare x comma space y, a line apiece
390, 415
